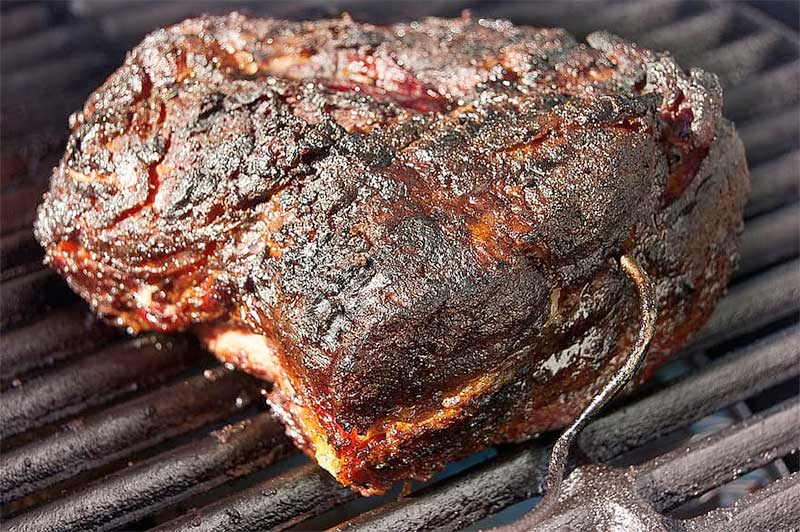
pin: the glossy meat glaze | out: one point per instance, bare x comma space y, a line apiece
410, 229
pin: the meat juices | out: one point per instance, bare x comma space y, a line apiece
411, 230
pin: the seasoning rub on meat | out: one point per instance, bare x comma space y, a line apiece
412, 230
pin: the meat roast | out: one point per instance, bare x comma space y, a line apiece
411, 230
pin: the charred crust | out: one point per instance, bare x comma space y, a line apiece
419, 216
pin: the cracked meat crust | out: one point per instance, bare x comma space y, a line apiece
409, 229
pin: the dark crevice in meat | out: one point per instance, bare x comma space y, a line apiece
153, 181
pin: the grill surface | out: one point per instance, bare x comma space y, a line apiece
105, 432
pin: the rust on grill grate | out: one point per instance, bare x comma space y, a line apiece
103, 432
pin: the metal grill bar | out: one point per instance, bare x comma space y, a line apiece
19, 208
23, 203
36, 82
765, 93
19, 254
128, 27
57, 41
466, 498
276, 504
749, 306
25, 297
746, 57
120, 431
769, 239
21, 119
93, 8
736, 377
70, 331
680, 475
771, 136
26, 158
634, 19
701, 466
23, 20
686, 39
98, 9
162, 481
113, 373
545, 14
775, 184
773, 507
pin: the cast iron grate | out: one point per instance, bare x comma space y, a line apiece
100, 431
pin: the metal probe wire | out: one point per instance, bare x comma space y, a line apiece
634, 359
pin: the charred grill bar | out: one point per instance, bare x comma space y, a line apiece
103, 432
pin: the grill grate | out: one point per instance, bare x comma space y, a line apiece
106, 432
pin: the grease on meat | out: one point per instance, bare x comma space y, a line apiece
409, 229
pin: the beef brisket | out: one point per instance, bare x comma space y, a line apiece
411, 230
